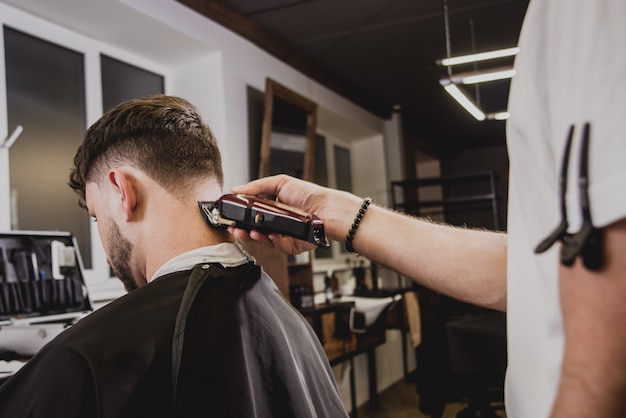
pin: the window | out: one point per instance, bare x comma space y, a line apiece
45, 85
46, 96
122, 81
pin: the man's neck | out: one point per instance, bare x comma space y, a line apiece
171, 228
181, 238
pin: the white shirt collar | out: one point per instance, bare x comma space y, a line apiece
228, 254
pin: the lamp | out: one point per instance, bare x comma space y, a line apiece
480, 56
476, 77
467, 103
450, 83
8, 141
499, 115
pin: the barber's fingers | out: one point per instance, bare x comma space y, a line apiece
247, 236
267, 185
284, 243
290, 245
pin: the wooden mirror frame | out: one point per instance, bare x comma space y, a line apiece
275, 90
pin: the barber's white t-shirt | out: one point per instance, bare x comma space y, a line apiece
571, 70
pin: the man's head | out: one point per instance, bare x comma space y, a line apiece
161, 135
160, 138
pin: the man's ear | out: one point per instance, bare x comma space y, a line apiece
123, 186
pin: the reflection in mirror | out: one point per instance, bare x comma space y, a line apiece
343, 168
287, 139
287, 143
287, 154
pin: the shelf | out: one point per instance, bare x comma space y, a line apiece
454, 200
405, 195
447, 180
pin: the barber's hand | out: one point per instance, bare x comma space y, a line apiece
335, 208
301, 194
290, 191
284, 243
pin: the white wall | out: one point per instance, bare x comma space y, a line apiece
208, 95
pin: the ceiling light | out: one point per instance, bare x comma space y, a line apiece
488, 76
483, 76
481, 56
499, 116
8, 141
464, 101
452, 81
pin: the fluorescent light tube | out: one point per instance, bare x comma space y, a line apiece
11, 139
481, 56
481, 76
499, 116
488, 76
464, 101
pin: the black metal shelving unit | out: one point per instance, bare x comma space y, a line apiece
475, 200
461, 192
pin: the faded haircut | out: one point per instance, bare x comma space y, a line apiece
164, 136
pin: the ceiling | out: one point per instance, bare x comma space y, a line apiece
383, 53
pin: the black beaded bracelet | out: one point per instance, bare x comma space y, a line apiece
355, 224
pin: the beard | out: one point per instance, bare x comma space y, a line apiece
119, 256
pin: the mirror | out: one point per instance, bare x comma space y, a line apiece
288, 134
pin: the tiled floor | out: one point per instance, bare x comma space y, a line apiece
401, 401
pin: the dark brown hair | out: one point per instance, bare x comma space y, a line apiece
162, 135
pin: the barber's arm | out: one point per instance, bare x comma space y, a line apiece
465, 264
593, 378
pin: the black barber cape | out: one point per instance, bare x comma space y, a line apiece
210, 342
